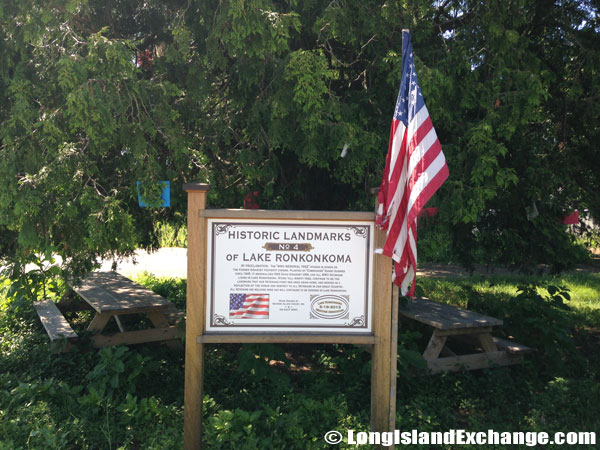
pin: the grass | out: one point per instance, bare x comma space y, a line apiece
171, 235
287, 397
583, 288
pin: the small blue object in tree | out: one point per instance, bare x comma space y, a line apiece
165, 195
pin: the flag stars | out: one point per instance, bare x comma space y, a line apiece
413, 97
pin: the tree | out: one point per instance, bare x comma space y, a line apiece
81, 122
261, 95
526, 101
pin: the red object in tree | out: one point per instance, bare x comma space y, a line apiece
251, 200
427, 212
432, 211
144, 60
572, 219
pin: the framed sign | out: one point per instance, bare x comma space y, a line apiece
291, 276
307, 277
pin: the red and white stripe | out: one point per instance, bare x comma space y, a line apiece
415, 169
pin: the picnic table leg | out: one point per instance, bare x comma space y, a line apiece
119, 324
99, 322
435, 346
487, 343
159, 320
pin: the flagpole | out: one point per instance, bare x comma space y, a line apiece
393, 358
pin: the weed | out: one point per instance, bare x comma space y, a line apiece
289, 396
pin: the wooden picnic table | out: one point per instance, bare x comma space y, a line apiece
111, 295
467, 326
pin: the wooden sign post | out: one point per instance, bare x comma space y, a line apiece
287, 277
194, 352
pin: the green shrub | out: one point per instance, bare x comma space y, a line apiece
171, 235
289, 396
543, 322
173, 289
435, 244
554, 409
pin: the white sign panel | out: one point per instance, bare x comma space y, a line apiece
289, 276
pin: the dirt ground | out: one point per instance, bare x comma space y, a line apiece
165, 262
172, 263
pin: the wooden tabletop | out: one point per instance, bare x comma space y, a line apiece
445, 317
111, 292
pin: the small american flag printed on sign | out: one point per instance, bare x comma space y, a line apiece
249, 306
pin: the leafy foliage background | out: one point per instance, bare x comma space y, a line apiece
260, 95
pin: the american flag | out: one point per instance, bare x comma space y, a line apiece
415, 168
249, 306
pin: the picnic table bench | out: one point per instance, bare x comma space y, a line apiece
111, 295
60, 332
466, 326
